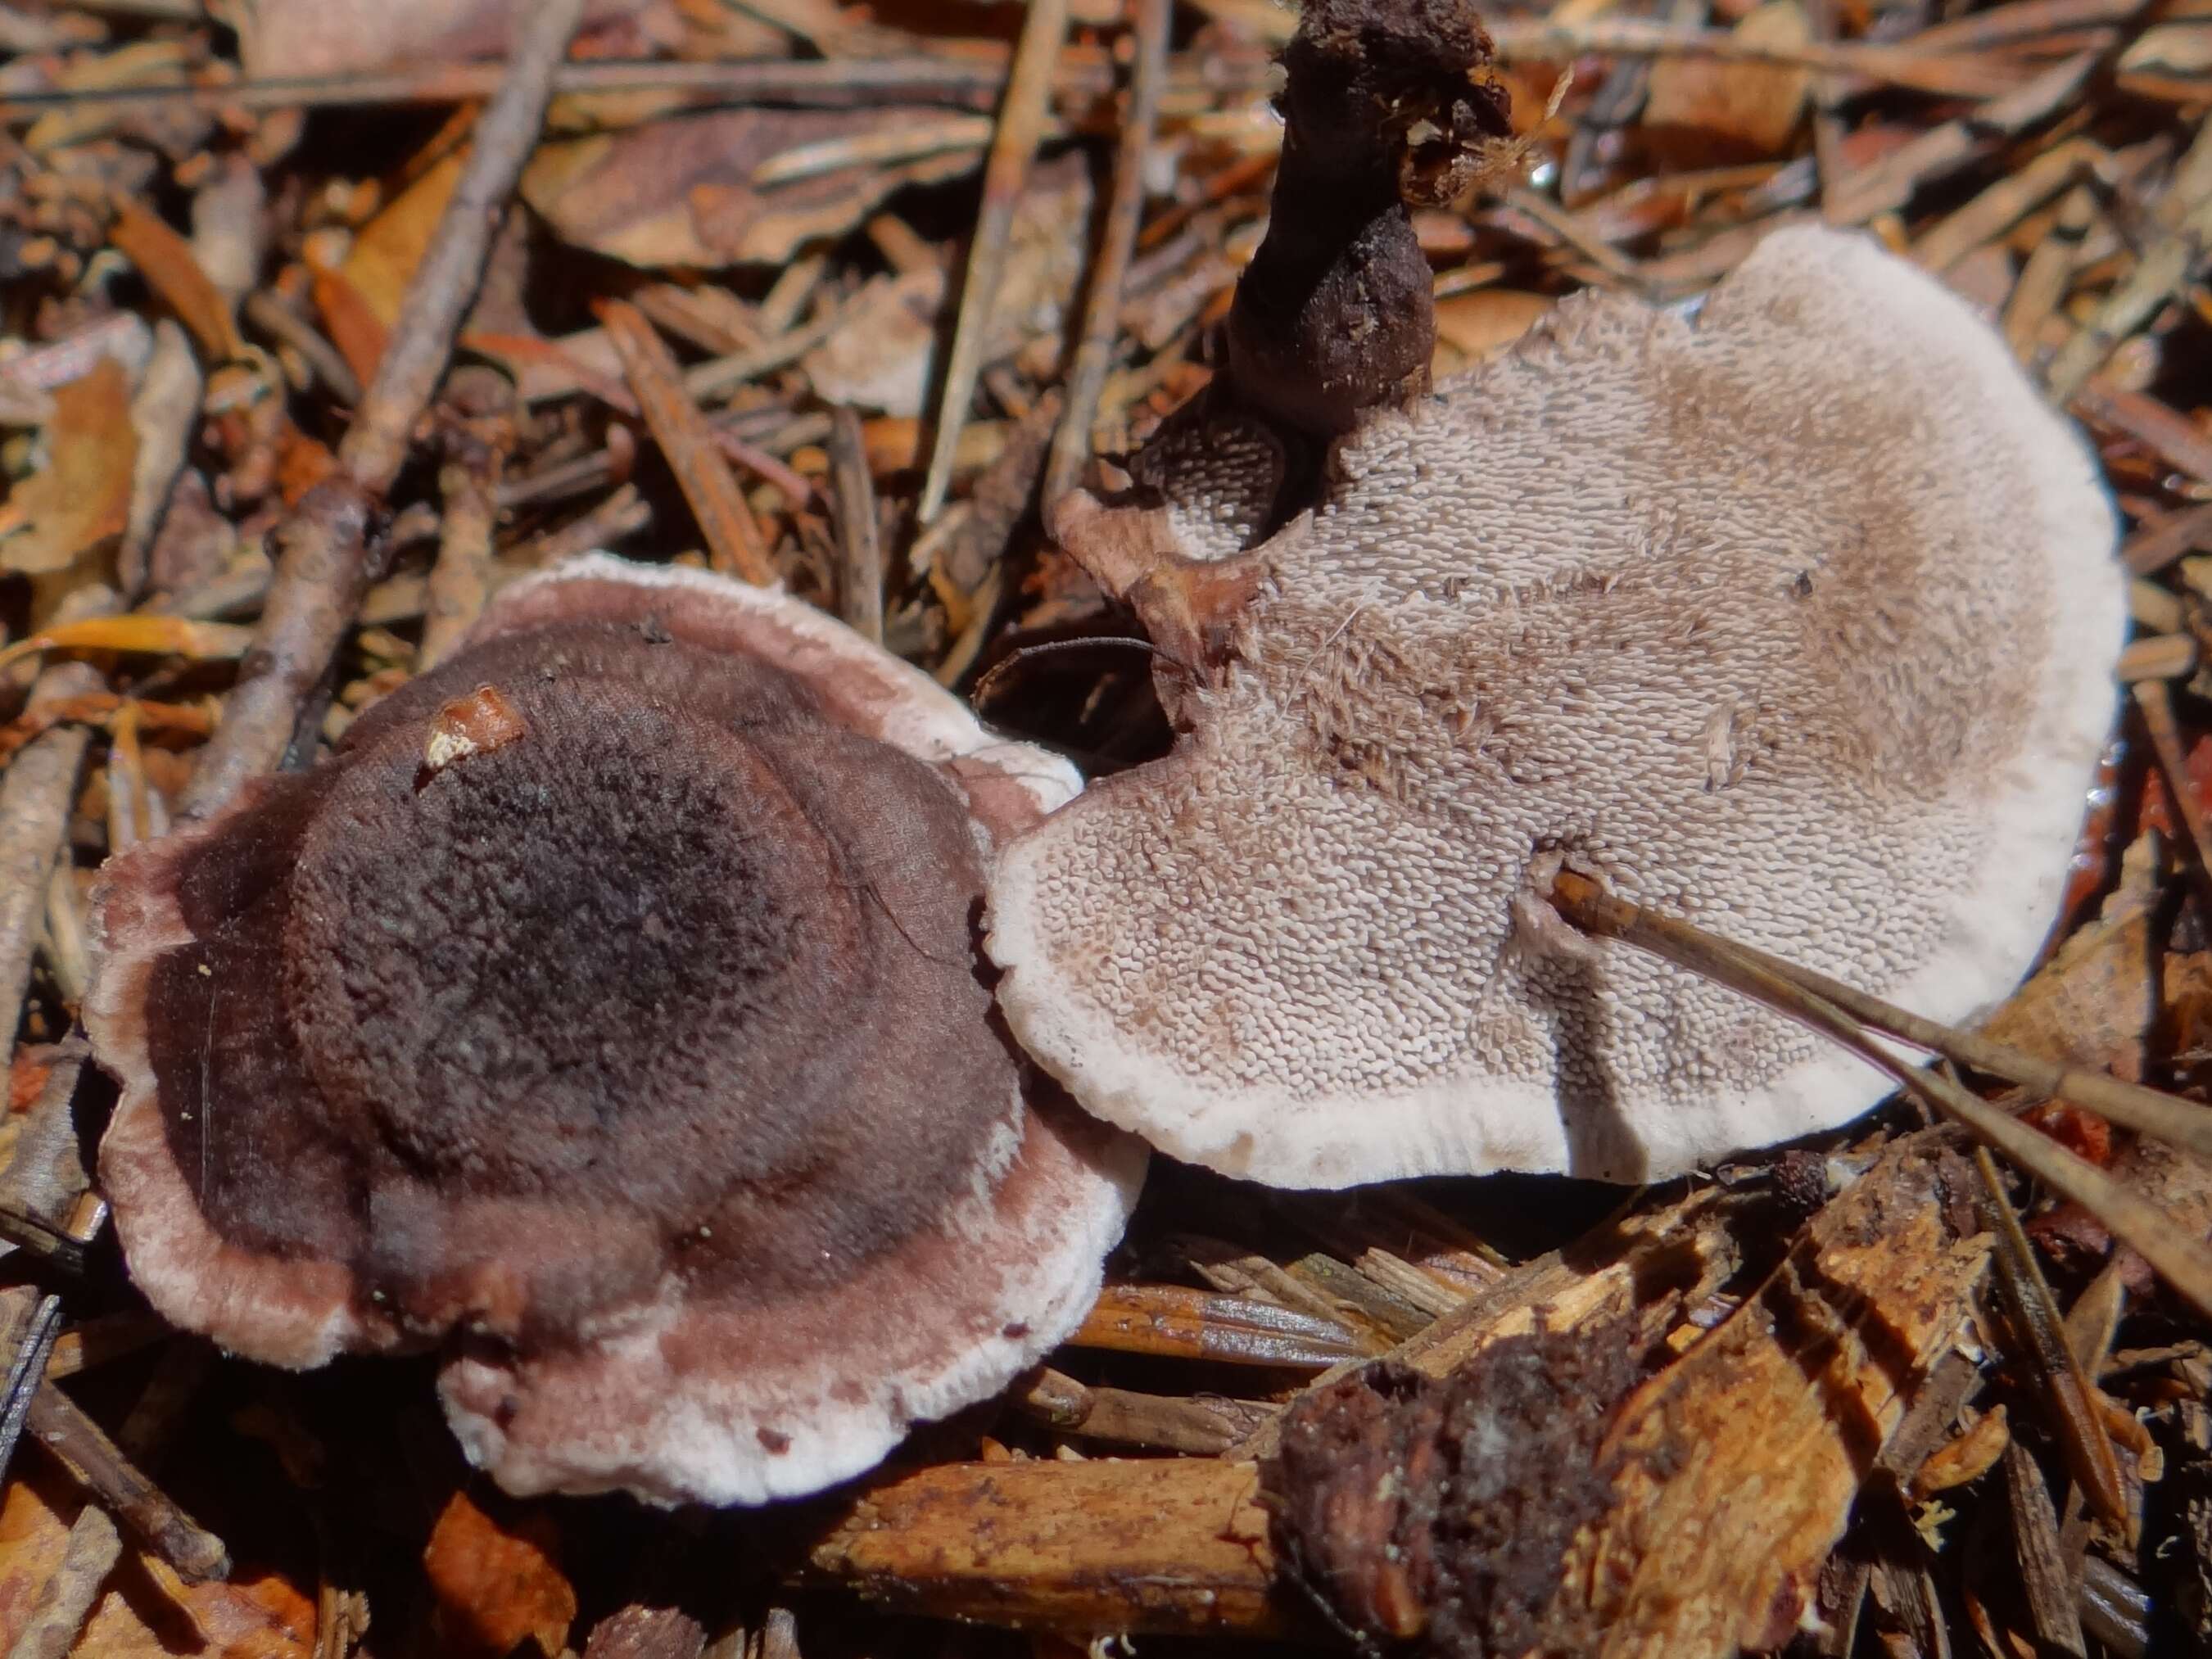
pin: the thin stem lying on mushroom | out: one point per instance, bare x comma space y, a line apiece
1845, 1016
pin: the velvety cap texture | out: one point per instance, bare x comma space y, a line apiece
608, 1015
1795, 618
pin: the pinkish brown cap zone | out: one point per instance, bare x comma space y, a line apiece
607, 1013
1797, 621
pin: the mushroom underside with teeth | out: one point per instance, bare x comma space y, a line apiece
1796, 620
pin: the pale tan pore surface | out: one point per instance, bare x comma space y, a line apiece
1214, 473
1797, 621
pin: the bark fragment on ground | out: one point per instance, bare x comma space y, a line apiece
1532, 1501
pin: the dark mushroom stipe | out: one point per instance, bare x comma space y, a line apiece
505, 1035
1383, 109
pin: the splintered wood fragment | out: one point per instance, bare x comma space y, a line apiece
100, 1465
1170, 1320
1738, 1464
325, 561
2073, 1397
1402, 1242
2156, 704
47, 1204
1021, 117
734, 542
1118, 1417
2053, 1602
1346, 1288
36, 793
1237, 1270
1639, 1273
1172, 1546
1125, 209
30, 1326
477, 441
1650, 1267
1544, 1494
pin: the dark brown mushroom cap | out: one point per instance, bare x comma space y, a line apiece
608, 1007
1796, 620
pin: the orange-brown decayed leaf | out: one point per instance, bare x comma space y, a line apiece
498, 1583
350, 321
80, 500
384, 254
1710, 109
146, 1612
165, 259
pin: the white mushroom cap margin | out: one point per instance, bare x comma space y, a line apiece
1796, 621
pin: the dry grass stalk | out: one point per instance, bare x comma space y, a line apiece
1021, 119
2185, 1262
859, 533
1117, 241
735, 542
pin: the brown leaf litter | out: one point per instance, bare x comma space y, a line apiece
1808, 1401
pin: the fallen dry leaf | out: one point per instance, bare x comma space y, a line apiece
2175, 49
680, 191
146, 1612
334, 37
74, 506
386, 250
166, 260
498, 1583
1707, 107
881, 357
2092, 1001
350, 321
1471, 327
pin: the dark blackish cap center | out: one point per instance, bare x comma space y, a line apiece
608, 944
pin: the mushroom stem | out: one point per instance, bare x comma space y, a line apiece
1381, 112
1843, 1016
